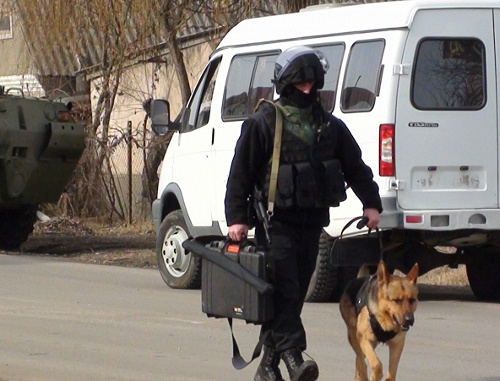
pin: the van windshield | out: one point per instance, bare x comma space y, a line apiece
449, 75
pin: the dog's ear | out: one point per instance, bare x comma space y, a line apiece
382, 274
413, 274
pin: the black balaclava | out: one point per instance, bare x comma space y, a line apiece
305, 66
299, 98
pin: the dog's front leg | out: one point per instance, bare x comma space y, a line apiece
396, 346
360, 374
375, 364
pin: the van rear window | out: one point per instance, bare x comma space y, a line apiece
449, 75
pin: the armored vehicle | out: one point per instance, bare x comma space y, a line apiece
40, 145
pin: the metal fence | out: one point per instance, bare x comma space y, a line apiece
125, 179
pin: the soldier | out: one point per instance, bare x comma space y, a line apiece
313, 144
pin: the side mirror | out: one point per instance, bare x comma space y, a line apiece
160, 117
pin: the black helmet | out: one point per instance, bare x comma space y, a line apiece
299, 64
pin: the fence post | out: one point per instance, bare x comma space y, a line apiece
129, 165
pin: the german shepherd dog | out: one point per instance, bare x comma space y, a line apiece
379, 309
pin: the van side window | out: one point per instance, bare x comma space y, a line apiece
362, 76
334, 55
197, 113
248, 80
449, 75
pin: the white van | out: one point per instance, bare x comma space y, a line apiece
415, 82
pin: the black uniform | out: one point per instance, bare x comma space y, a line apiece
295, 230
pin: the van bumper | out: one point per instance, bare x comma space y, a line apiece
444, 220
156, 208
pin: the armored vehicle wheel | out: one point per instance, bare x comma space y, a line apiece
16, 225
178, 268
482, 271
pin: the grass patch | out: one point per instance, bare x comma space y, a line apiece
446, 276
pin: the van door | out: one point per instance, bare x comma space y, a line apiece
446, 144
193, 159
248, 81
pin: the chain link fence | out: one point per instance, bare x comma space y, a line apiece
125, 180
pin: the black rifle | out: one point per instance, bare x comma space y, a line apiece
261, 212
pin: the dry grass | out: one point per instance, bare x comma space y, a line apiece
445, 276
103, 228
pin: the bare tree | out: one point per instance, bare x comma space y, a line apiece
104, 34
221, 15
106, 37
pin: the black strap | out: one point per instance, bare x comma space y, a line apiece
238, 361
380, 334
214, 255
360, 225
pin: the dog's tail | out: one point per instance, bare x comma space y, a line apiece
363, 271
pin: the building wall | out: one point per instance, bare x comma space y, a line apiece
138, 83
16, 66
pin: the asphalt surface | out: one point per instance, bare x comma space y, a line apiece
61, 320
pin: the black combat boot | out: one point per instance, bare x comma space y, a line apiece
268, 368
299, 369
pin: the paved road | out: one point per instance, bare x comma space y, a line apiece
69, 321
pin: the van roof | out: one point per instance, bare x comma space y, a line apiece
333, 19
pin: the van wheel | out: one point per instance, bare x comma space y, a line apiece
328, 282
324, 278
178, 268
482, 271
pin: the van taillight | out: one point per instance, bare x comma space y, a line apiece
386, 150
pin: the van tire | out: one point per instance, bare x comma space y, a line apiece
178, 268
482, 271
324, 278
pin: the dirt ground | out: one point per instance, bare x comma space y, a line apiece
134, 246
92, 242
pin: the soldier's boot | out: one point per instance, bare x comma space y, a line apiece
268, 369
299, 369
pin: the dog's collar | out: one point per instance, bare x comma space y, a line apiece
362, 301
380, 334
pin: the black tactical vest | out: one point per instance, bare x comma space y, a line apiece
309, 176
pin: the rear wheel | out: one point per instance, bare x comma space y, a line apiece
328, 282
323, 281
483, 272
16, 225
178, 268
344, 275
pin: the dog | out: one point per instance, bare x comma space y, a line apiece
379, 309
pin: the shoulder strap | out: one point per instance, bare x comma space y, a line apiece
275, 160
238, 361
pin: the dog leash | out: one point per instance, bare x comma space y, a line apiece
360, 225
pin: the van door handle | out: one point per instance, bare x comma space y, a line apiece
213, 135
